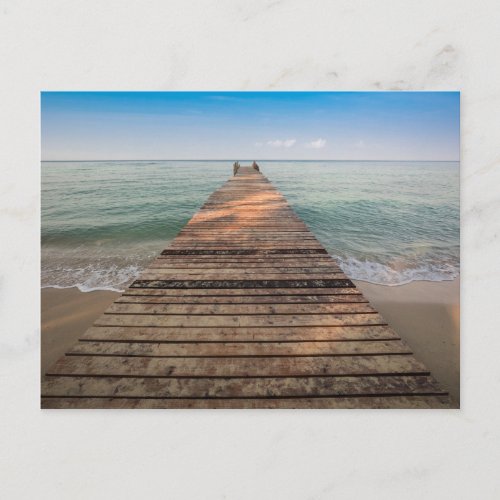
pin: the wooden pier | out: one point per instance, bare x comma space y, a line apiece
245, 309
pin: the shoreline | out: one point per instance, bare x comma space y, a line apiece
426, 314
358, 282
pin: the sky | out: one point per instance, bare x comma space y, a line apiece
250, 125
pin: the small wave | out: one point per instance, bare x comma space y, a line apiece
91, 278
382, 274
84, 288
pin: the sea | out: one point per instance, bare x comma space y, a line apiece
384, 222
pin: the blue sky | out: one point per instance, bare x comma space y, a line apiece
251, 125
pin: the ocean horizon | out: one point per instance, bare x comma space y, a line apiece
385, 222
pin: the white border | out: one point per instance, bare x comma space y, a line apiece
241, 45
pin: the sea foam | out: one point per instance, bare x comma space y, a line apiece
381, 274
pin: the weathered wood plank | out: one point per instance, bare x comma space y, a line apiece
234, 349
246, 232
239, 309
271, 236
257, 320
374, 402
256, 245
247, 292
149, 387
243, 283
283, 226
239, 334
272, 299
241, 241
260, 252
253, 267
248, 262
292, 366
232, 269
160, 274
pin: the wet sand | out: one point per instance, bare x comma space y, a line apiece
425, 314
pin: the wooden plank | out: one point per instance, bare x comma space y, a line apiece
159, 274
255, 245
246, 284
374, 402
257, 320
270, 299
293, 366
239, 334
244, 251
234, 349
242, 264
248, 292
237, 226
236, 268
253, 272
270, 238
282, 387
283, 258
249, 237
239, 309
245, 230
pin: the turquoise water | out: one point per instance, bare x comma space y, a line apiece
384, 222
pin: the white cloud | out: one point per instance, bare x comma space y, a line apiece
317, 144
278, 143
258, 144
360, 144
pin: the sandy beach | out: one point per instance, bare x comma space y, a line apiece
65, 314
425, 314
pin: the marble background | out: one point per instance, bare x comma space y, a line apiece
242, 45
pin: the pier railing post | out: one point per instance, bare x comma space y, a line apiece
236, 166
